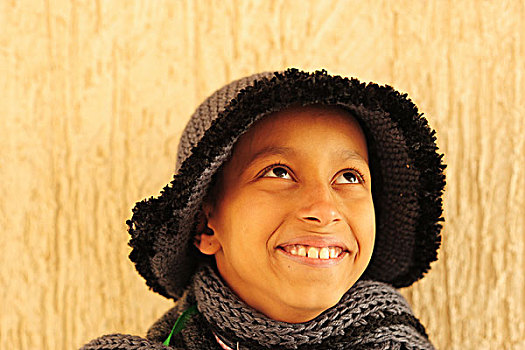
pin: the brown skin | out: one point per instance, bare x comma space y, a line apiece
258, 210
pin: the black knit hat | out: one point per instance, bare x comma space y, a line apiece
407, 175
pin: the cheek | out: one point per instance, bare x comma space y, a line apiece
249, 221
361, 217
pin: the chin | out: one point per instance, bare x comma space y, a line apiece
315, 299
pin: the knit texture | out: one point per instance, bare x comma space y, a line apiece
371, 315
407, 175
370, 310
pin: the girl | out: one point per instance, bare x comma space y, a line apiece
301, 201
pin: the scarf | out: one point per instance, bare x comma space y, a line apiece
371, 315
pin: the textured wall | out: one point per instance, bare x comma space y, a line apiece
94, 95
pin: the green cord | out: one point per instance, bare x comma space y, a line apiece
181, 322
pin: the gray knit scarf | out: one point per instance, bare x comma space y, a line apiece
371, 315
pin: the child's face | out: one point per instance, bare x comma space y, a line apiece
265, 216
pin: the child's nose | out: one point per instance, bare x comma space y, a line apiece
318, 206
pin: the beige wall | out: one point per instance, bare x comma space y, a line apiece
94, 95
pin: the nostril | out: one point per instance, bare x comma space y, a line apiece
320, 212
316, 219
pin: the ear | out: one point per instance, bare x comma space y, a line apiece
206, 240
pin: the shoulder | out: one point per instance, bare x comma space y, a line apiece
160, 330
156, 334
122, 341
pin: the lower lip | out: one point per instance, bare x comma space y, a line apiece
314, 262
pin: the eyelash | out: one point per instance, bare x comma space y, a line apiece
279, 164
270, 167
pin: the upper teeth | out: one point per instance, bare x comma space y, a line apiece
313, 252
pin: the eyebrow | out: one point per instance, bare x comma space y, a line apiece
347, 154
269, 151
343, 153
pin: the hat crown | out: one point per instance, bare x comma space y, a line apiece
208, 111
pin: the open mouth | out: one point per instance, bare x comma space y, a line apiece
311, 252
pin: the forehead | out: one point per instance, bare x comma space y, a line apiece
313, 114
308, 129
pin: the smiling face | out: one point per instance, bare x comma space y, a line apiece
292, 214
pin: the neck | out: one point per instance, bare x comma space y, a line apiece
280, 312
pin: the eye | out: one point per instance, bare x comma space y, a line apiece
276, 170
351, 176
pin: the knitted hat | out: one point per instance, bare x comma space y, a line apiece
407, 175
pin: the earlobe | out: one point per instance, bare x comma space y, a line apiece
208, 244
